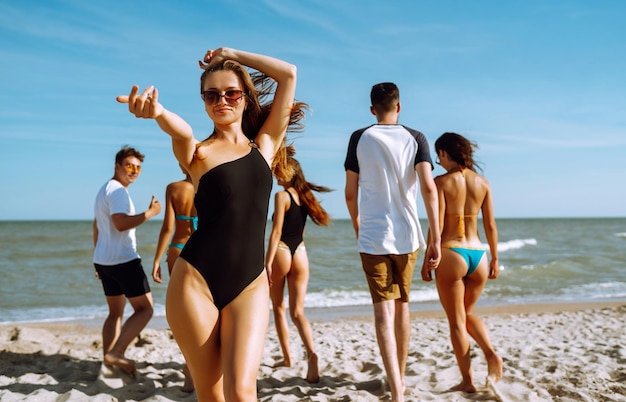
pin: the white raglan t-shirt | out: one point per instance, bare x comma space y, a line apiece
385, 157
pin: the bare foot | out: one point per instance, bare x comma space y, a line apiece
494, 367
312, 374
188, 385
112, 359
491, 384
282, 363
464, 387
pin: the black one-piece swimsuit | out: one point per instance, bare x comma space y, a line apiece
228, 248
293, 224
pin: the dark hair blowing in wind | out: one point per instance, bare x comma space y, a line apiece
459, 149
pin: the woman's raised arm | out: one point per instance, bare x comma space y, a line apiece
273, 130
146, 105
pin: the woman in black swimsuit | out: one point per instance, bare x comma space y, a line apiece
218, 295
287, 257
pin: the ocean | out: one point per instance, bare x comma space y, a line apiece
47, 275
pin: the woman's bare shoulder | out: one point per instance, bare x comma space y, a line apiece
282, 195
447, 179
481, 180
178, 187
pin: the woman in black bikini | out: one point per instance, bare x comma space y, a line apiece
287, 257
218, 295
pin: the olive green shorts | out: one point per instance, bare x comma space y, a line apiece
389, 276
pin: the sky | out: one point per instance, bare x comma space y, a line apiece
540, 86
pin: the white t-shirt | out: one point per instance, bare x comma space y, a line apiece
113, 247
385, 156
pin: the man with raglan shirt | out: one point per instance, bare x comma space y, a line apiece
385, 162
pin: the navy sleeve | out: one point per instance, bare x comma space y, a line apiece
351, 162
423, 151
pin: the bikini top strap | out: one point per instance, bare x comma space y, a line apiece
193, 219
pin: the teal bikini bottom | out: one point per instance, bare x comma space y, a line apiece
472, 257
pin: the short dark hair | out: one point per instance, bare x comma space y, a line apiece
125, 152
385, 96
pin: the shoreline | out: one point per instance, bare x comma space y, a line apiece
365, 313
434, 310
565, 351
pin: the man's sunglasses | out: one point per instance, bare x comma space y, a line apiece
130, 168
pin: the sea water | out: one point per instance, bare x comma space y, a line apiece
47, 274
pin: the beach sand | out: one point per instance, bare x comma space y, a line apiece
571, 352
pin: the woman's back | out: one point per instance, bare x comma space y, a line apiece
181, 195
463, 193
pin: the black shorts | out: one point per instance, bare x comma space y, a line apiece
127, 279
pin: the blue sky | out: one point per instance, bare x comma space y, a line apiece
540, 85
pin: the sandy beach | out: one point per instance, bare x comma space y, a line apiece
571, 352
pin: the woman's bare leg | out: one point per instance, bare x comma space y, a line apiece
195, 324
243, 328
298, 281
280, 269
474, 286
451, 288
172, 256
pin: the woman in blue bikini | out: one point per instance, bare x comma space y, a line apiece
179, 222
288, 260
463, 270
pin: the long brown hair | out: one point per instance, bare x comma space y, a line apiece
259, 88
305, 189
459, 149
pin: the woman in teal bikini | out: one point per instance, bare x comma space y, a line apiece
179, 222
463, 270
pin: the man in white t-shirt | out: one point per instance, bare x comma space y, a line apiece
385, 161
117, 263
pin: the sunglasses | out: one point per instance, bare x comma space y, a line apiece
232, 96
131, 168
